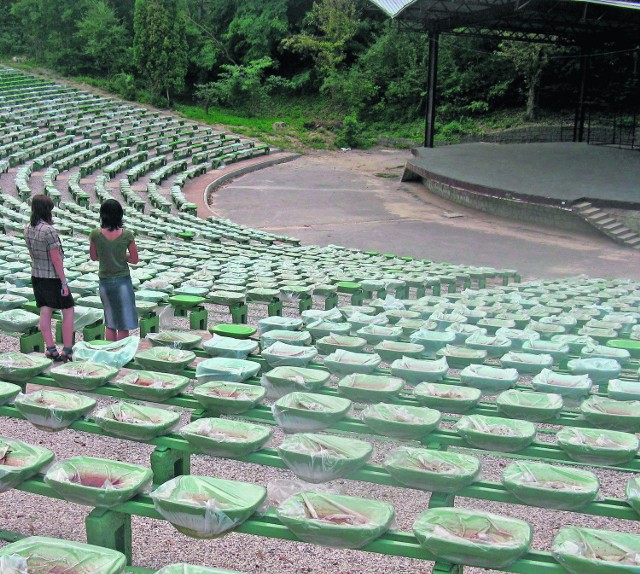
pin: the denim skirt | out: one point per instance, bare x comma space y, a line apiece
119, 303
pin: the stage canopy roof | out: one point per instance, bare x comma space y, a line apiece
559, 21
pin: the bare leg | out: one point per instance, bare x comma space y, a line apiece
122, 334
45, 326
110, 334
67, 327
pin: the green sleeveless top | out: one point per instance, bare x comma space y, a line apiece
112, 253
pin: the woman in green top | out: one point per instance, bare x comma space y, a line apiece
115, 247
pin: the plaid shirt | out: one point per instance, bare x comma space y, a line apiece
40, 239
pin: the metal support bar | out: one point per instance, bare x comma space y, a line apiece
432, 87
578, 124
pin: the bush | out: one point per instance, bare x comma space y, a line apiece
350, 135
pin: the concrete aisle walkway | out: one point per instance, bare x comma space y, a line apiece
356, 199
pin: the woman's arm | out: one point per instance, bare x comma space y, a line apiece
93, 252
56, 260
133, 253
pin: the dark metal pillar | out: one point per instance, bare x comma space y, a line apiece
578, 123
432, 87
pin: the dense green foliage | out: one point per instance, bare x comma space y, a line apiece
263, 58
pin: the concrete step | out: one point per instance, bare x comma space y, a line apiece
633, 242
605, 223
590, 211
627, 236
612, 226
582, 205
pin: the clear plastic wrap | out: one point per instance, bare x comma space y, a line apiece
526, 363
332, 342
494, 433
369, 388
226, 438
230, 370
447, 398
17, 320
596, 446
115, 354
319, 329
464, 330
314, 315
494, 345
402, 422
21, 368
165, 359
342, 362
281, 323
228, 398
335, 520
374, 334
415, 371
308, 412
281, 355
319, 458
432, 341
359, 320
608, 413
85, 316
633, 493
528, 406
9, 301
600, 371
571, 387
594, 351
391, 350
97, 482
284, 380
152, 385
51, 410
590, 551
518, 336
83, 375
460, 357
489, 380
175, 339
550, 486
8, 392
135, 422
230, 347
296, 338
472, 537
558, 351
204, 507
38, 554
20, 461
432, 470
623, 390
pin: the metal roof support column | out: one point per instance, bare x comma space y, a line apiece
578, 123
432, 87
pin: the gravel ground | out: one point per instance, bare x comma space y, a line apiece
157, 543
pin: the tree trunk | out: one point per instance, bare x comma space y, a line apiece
168, 98
532, 101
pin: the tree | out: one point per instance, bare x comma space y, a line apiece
529, 59
104, 40
333, 25
159, 45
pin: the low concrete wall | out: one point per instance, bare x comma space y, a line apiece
544, 215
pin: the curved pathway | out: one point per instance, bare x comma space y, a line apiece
356, 199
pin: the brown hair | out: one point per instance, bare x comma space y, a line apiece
41, 209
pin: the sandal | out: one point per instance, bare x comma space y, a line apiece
52, 353
66, 355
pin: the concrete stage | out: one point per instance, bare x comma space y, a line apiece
547, 173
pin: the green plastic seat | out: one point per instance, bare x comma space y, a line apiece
628, 344
231, 330
186, 301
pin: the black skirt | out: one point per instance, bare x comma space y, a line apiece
48, 293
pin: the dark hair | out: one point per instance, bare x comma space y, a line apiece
41, 208
111, 215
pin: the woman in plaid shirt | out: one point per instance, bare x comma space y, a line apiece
47, 276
